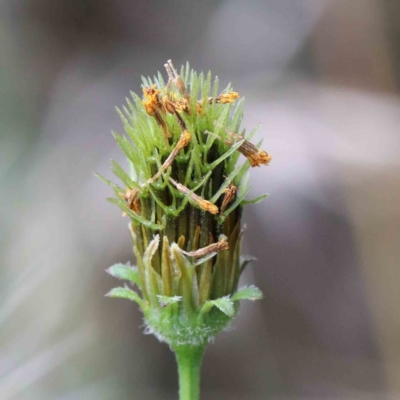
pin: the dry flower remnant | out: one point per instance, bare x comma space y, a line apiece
255, 155
200, 202
223, 98
230, 192
182, 142
184, 198
176, 79
132, 201
153, 107
212, 248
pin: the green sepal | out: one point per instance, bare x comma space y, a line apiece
225, 304
126, 293
123, 176
168, 300
211, 166
117, 190
152, 278
188, 279
248, 293
136, 217
125, 146
256, 200
125, 272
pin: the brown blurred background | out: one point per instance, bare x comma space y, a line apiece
323, 79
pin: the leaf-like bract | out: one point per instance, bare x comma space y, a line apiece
225, 304
248, 293
124, 272
167, 300
256, 200
126, 293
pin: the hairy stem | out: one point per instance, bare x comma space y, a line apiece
189, 359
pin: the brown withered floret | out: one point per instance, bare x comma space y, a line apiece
169, 104
223, 98
176, 79
132, 200
212, 248
202, 203
199, 106
182, 105
230, 192
255, 155
173, 105
151, 103
182, 142
155, 108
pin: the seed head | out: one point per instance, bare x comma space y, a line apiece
184, 198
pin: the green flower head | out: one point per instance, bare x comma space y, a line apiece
184, 197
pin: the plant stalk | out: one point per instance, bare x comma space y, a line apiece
189, 358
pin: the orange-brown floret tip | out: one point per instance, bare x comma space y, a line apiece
199, 107
154, 107
255, 155
230, 192
207, 206
132, 200
212, 248
199, 201
225, 98
182, 105
172, 106
168, 104
152, 103
182, 142
258, 157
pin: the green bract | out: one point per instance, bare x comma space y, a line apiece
184, 197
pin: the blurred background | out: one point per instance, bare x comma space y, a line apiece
323, 79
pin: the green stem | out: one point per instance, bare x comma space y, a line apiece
189, 359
